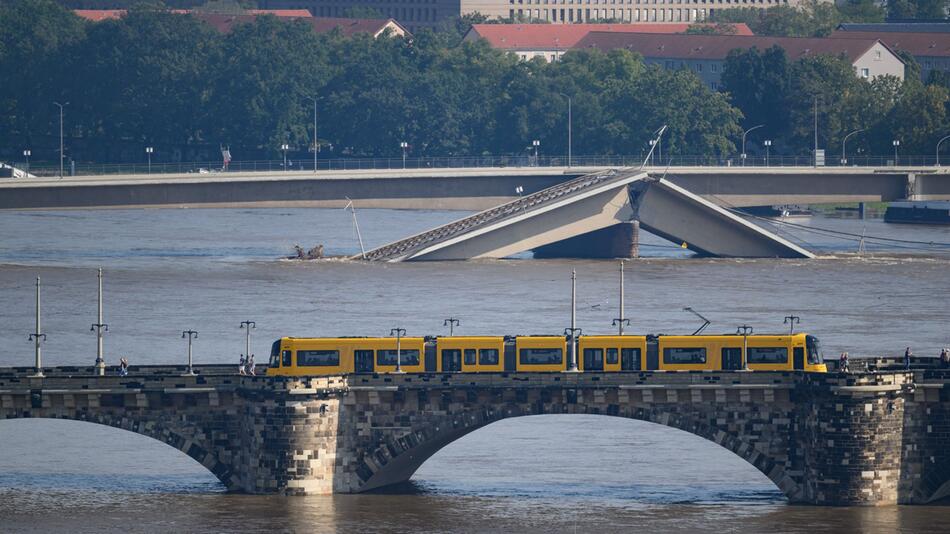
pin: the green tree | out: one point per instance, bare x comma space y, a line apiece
34, 37
758, 84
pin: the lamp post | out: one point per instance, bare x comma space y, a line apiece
62, 155
768, 145
247, 326
896, 144
569, 128
844, 153
745, 133
536, 144
573, 331
398, 332
100, 328
745, 330
938, 149
38, 336
621, 321
450, 322
405, 147
316, 144
790, 320
190, 334
149, 150
284, 148
815, 155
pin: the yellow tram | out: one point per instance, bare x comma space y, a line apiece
292, 356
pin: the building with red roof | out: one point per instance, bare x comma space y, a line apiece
706, 54
930, 49
550, 41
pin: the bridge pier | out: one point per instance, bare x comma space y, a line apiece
877, 438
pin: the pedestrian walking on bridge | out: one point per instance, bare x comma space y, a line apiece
907, 355
945, 358
242, 366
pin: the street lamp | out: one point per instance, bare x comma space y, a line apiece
247, 326
316, 144
768, 145
190, 334
285, 147
790, 320
896, 144
742, 156
405, 147
149, 150
844, 153
451, 322
398, 332
27, 153
536, 144
38, 336
62, 155
938, 149
569, 128
99, 328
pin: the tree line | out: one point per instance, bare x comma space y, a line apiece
169, 81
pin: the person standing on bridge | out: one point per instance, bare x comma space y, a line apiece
944, 358
242, 366
843, 362
250, 365
123, 367
907, 355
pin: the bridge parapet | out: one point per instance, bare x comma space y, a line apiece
860, 438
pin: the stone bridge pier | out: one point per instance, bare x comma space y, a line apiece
834, 439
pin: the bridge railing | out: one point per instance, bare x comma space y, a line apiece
467, 162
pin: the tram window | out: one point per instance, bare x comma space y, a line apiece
612, 356
286, 358
275, 354
406, 357
318, 358
630, 359
488, 356
814, 350
541, 356
469, 356
679, 355
767, 355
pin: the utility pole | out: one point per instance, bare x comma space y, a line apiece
190, 334
790, 320
247, 326
815, 155
62, 154
573, 330
316, 144
620, 320
100, 329
38, 335
450, 322
745, 330
398, 332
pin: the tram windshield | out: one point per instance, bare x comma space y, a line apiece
815, 356
274, 354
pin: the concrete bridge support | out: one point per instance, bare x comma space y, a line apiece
668, 210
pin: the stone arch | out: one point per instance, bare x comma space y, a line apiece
396, 459
152, 429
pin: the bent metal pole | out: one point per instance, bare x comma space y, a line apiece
38, 335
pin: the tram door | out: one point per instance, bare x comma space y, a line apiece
363, 361
653, 355
798, 354
451, 361
593, 359
731, 359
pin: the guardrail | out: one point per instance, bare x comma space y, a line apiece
464, 162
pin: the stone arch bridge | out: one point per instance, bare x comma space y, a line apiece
868, 438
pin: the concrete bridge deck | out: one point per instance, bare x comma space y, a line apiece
833, 439
465, 188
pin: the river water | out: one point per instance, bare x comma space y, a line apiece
208, 270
